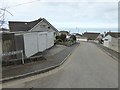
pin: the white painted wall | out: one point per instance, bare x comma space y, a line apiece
107, 41
112, 43
79, 39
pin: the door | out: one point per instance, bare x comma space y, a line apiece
42, 41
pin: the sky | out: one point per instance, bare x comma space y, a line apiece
65, 13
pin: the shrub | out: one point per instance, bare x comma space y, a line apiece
73, 37
63, 37
58, 37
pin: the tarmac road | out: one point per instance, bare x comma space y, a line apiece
87, 67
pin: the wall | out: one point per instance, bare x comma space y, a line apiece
107, 41
79, 39
112, 43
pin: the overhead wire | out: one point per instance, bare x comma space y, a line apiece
2, 16
23, 3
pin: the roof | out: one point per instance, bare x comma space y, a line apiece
113, 34
90, 35
26, 26
77, 34
64, 32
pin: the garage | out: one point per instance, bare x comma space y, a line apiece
50, 39
35, 42
42, 41
30, 44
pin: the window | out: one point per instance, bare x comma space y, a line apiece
106, 39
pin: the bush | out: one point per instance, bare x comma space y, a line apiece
58, 41
63, 41
58, 37
73, 37
61, 37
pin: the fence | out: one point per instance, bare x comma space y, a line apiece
15, 53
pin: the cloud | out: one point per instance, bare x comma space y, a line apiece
87, 13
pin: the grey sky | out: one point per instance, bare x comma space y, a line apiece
66, 13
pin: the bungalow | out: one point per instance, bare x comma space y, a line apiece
32, 37
79, 37
38, 25
111, 40
91, 36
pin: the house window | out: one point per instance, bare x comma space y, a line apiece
106, 39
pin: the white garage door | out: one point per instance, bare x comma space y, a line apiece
42, 39
50, 39
30, 44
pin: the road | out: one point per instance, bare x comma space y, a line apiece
87, 67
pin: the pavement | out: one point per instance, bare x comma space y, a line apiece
87, 67
54, 57
114, 54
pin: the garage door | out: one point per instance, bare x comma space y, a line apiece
50, 39
42, 41
30, 44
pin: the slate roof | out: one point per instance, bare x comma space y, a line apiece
90, 35
64, 32
113, 34
26, 26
